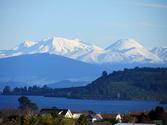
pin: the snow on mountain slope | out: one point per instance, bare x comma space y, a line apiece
122, 51
29, 43
124, 44
56, 45
133, 52
161, 52
72, 48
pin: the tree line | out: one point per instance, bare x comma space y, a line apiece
131, 84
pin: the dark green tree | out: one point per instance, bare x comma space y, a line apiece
25, 103
82, 120
104, 73
6, 90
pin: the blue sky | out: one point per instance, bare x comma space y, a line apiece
99, 22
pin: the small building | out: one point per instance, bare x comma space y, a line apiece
76, 115
66, 113
118, 118
95, 117
63, 112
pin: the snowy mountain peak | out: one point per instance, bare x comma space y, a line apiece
124, 50
62, 44
29, 43
133, 52
160, 48
67, 45
125, 44
161, 52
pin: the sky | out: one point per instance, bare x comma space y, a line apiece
99, 22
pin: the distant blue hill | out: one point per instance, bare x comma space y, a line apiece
40, 69
46, 68
12, 84
68, 83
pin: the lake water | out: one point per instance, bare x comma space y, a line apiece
105, 106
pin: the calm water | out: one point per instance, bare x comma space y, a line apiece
82, 105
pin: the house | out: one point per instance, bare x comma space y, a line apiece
63, 112
95, 117
66, 113
76, 115
137, 114
118, 118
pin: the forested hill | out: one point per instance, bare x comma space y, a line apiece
136, 84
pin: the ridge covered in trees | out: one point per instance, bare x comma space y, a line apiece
130, 84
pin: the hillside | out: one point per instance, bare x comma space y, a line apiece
137, 83
45, 68
130, 84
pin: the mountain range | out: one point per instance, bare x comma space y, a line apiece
56, 59
122, 51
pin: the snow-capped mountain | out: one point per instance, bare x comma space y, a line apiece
124, 44
132, 51
60, 46
161, 52
122, 51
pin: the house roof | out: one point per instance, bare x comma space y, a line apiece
138, 113
63, 112
108, 116
102, 123
47, 110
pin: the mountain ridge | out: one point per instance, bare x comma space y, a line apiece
123, 50
161, 52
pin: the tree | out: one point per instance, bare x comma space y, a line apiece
82, 120
67, 121
159, 110
158, 114
104, 73
31, 120
6, 90
127, 118
47, 120
25, 103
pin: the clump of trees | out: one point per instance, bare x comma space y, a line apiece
83, 120
32, 90
158, 114
25, 103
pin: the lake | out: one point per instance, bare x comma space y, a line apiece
105, 106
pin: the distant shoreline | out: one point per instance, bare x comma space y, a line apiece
97, 99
